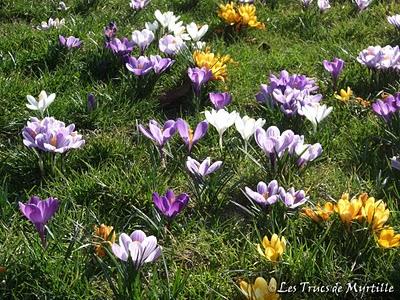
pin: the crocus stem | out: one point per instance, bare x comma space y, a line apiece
220, 141
162, 157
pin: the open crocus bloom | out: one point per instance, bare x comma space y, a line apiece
139, 247
387, 238
160, 65
260, 290
187, 134
221, 120
139, 66
195, 33
273, 249
42, 103
247, 126
265, 195
316, 112
171, 45
292, 198
159, 135
142, 39
120, 47
204, 168
170, 205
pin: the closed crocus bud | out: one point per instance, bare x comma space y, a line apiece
220, 100
91, 102
170, 205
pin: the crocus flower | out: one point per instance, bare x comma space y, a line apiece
273, 249
261, 289
39, 212
387, 107
319, 214
195, 33
170, 205
142, 39
344, 95
247, 126
307, 153
395, 162
306, 3
56, 23
139, 4
91, 102
199, 77
187, 134
265, 195
42, 103
70, 42
204, 168
139, 247
349, 210
120, 47
221, 120
387, 238
334, 67
167, 19
62, 6
139, 66
362, 4
220, 100
171, 45
292, 198
323, 5
247, 13
394, 20
151, 26
159, 135
110, 31
103, 236
316, 113
160, 65
51, 135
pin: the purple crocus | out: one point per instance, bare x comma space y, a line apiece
91, 102
292, 198
139, 4
110, 31
334, 67
139, 66
395, 162
307, 153
51, 135
387, 107
170, 205
204, 168
160, 65
220, 100
265, 195
199, 77
39, 212
70, 42
159, 135
139, 247
187, 134
120, 47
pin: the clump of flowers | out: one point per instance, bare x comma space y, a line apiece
291, 93
272, 249
213, 62
51, 135
103, 237
260, 290
387, 107
275, 144
380, 58
240, 15
51, 23
39, 212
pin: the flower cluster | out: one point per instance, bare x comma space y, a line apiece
387, 107
275, 144
290, 92
51, 135
212, 62
143, 65
52, 23
380, 58
242, 15
271, 193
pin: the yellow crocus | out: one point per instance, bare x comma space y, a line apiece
229, 14
375, 213
273, 249
102, 235
349, 210
344, 95
320, 214
388, 239
215, 63
248, 16
260, 290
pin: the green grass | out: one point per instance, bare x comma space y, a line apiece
212, 244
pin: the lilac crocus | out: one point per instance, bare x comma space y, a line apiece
70, 42
170, 205
265, 194
394, 20
387, 107
51, 135
159, 135
292, 198
362, 4
139, 66
139, 4
171, 45
220, 100
395, 162
142, 39
199, 77
160, 65
120, 47
110, 31
307, 153
187, 134
204, 168
334, 67
39, 212
139, 247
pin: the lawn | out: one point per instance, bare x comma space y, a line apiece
210, 247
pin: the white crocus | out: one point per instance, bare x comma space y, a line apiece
316, 112
247, 126
62, 6
195, 33
323, 5
180, 31
42, 103
221, 120
56, 23
166, 20
151, 26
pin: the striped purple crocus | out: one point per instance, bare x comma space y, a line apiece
170, 204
